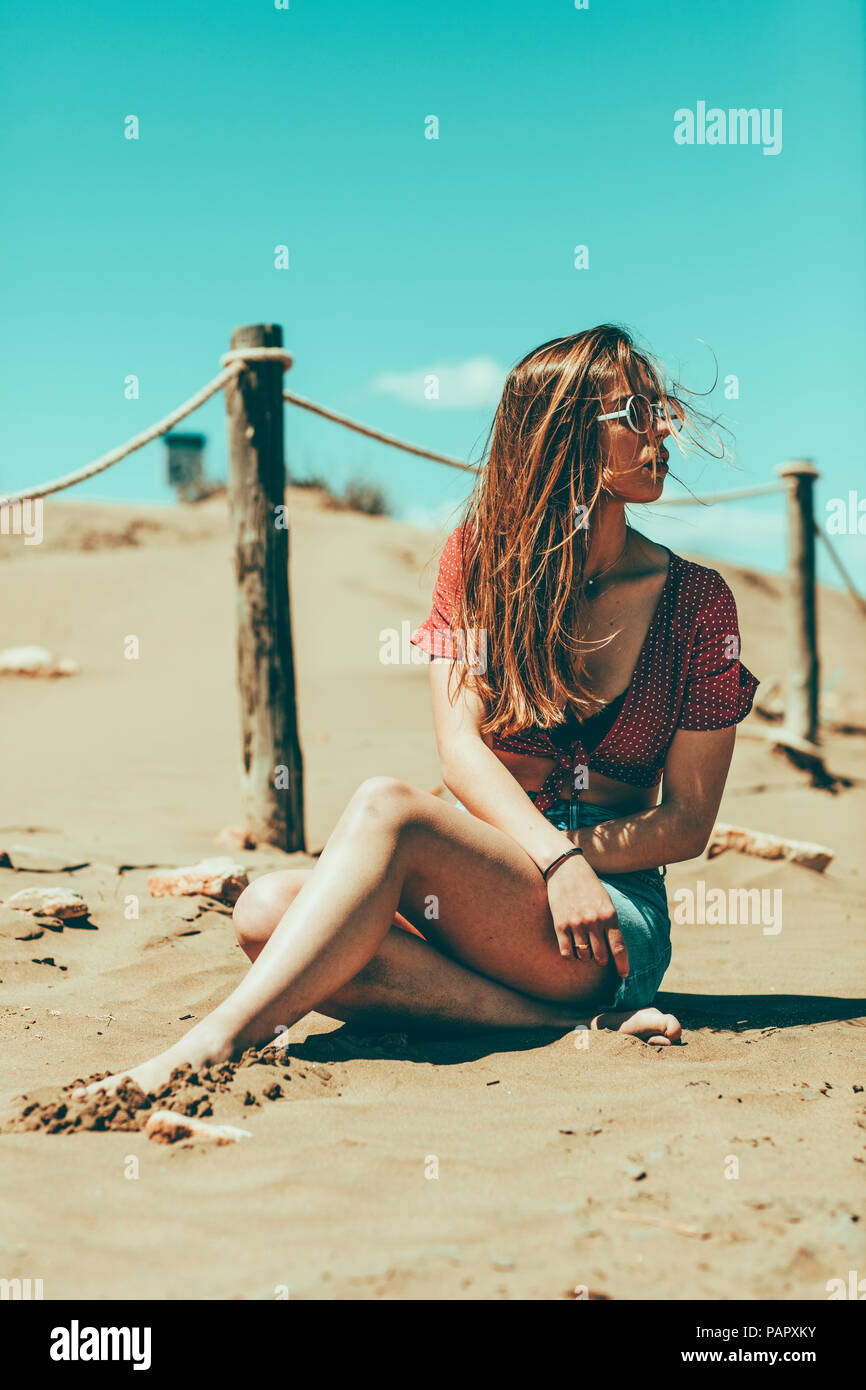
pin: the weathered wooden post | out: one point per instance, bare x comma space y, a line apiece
271, 763
801, 698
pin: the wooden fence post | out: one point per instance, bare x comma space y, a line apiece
271, 763
801, 698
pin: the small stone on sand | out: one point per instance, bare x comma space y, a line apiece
765, 846
49, 902
216, 878
167, 1127
35, 661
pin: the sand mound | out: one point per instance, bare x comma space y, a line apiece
257, 1077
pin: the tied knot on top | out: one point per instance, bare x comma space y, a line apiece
243, 357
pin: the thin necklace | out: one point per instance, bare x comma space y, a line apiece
590, 583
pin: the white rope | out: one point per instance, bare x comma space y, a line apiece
233, 363
837, 560
734, 495
137, 442
376, 434
257, 354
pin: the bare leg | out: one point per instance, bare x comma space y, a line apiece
406, 979
479, 896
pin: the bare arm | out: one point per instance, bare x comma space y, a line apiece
583, 916
476, 776
678, 828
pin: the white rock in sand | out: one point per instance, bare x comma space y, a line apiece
167, 1127
215, 878
766, 846
49, 902
35, 661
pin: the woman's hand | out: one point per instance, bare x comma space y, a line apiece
586, 925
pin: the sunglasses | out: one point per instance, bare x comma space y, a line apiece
641, 413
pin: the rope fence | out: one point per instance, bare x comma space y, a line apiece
376, 434
837, 561
257, 481
238, 359
735, 494
138, 441
233, 363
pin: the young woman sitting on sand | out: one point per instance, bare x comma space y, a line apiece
612, 665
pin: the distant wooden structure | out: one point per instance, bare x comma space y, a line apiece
185, 464
271, 762
801, 693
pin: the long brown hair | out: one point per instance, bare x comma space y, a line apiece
527, 526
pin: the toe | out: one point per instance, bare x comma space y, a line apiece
673, 1028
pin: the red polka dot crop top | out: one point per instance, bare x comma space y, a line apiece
688, 676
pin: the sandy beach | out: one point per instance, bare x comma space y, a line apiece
387, 1167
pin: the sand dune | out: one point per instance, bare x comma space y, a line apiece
558, 1167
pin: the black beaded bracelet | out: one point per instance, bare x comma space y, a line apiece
550, 868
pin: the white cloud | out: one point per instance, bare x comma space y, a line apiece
469, 385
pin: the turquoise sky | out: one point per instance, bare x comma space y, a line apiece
306, 127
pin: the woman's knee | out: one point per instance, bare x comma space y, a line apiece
384, 802
262, 904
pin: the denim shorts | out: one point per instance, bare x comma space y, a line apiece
640, 903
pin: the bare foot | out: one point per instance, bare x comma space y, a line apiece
151, 1076
649, 1024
